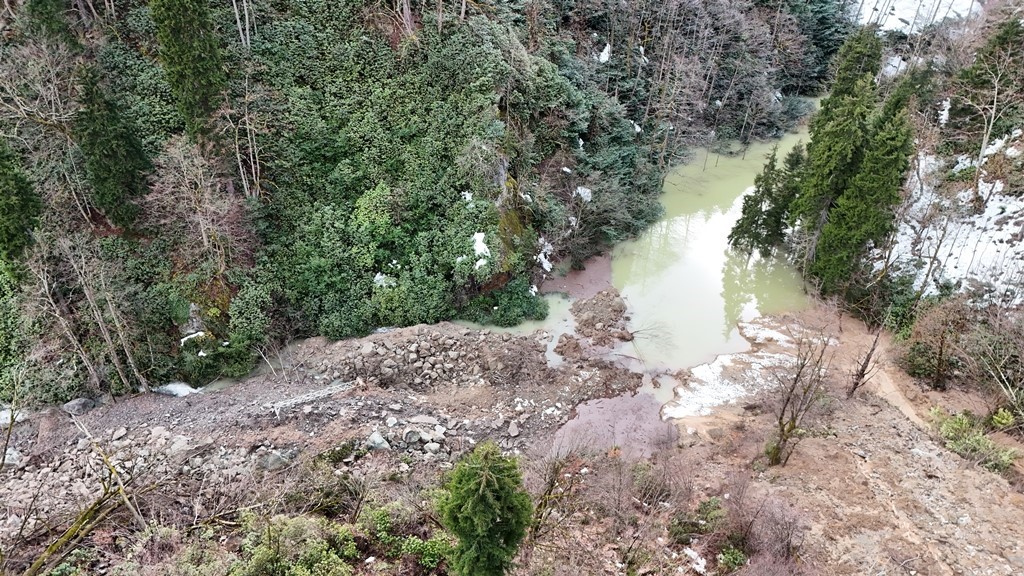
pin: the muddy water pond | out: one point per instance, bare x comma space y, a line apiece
686, 290
686, 293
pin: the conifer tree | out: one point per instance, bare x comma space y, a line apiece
860, 55
864, 213
762, 225
115, 161
488, 510
190, 52
833, 159
20, 206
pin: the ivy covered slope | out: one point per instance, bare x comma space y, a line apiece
186, 184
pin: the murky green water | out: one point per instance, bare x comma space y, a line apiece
685, 289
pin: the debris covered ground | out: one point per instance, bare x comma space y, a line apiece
870, 488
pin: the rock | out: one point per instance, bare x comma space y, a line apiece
119, 433
422, 419
195, 323
432, 447
403, 467
6, 417
439, 432
395, 407
78, 406
12, 458
377, 442
411, 435
274, 461
513, 429
367, 349
391, 421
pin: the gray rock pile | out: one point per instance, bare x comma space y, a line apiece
421, 357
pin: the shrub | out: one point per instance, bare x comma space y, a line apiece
731, 559
685, 526
297, 546
965, 434
487, 509
1002, 419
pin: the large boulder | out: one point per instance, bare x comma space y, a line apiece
376, 441
78, 406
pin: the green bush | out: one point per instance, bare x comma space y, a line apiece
295, 546
965, 434
487, 509
1002, 419
684, 527
731, 559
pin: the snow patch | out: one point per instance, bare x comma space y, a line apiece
479, 246
199, 334
566, 169
384, 281
605, 54
758, 334
944, 112
947, 239
699, 565
636, 127
724, 381
480, 264
543, 256
585, 193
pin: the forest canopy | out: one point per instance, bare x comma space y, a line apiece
192, 183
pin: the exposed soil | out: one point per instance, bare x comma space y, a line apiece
873, 489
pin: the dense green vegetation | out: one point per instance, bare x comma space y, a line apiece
488, 510
839, 200
264, 170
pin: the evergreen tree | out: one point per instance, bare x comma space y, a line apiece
20, 206
191, 55
488, 510
762, 225
860, 55
833, 159
115, 161
47, 18
865, 212
826, 24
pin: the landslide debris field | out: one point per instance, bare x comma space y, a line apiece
868, 491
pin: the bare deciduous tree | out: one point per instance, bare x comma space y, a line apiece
799, 390
867, 365
189, 195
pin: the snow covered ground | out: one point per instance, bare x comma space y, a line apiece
948, 237
731, 377
912, 15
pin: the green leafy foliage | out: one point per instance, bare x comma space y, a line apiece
116, 163
190, 51
296, 546
488, 511
965, 434
685, 527
20, 207
731, 559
